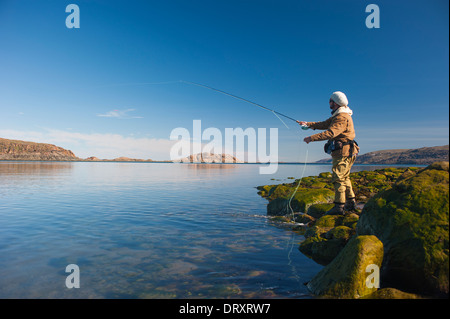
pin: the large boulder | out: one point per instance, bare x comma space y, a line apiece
412, 221
347, 276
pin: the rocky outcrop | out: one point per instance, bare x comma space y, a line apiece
30, 151
15, 150
405, 211
314, 193
412, 221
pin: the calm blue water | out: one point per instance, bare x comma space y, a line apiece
146, 230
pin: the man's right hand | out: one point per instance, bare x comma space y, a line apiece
302, 122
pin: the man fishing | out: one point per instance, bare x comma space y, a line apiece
340, 133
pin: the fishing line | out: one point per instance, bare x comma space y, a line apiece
291, 241
242, 99
277, 114
213, 89
251, 102
300, 180
280, 120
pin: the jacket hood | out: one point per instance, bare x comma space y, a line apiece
342, 109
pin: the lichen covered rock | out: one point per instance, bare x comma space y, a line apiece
345, 277
300, 202
412, 221
318, 210
406, 212
315, 193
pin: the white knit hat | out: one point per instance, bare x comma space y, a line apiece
339, 98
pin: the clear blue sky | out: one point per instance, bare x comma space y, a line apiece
82, 88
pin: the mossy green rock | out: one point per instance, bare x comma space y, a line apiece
300, 202
303, 219
329, 221
391, 293
321, 249
339, 232
325, 239
314, 191
350, 220
319, 210
345, 276
367, 183
412, 221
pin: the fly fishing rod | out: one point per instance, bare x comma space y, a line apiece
276, 113
245, 100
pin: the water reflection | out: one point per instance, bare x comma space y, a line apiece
147, 230
210, 166
34, 168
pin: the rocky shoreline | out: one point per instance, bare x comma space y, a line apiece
400, 232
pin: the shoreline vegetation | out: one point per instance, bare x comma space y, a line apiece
399, 231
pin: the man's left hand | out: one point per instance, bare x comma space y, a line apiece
307, 139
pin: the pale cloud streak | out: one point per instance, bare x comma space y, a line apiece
120, 114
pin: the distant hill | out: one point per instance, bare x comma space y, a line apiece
210, 158
418, 156
31, 151
15, 150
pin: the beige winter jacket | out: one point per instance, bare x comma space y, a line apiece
339, 127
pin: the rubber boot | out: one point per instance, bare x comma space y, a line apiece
350, 204
338, 209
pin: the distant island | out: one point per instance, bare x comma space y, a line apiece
209, 158
418, 156
16, 150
